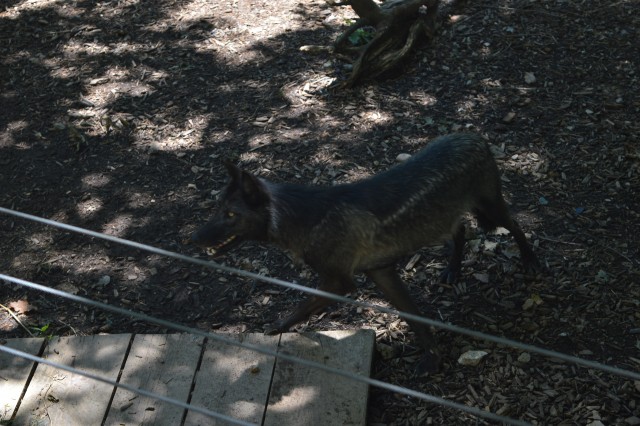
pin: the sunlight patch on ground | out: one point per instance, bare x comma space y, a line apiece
422, 98
29, 5
117, 82
96, 180
189, 135
88, 208
118, 226
140, 200
8, 135
73, 49
190, 12
297, 399
18, 125
521, 161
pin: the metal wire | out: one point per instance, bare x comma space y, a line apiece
437, 324
352, 376
168, 324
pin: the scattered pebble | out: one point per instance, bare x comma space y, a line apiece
104, 280
509, 117
385, 351
403, 157
524, 357
472, 358
529, 78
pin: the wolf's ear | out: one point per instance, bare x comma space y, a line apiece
254, 191
233, 170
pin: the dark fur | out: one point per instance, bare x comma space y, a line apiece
368, 225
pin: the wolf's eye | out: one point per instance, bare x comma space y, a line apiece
230, 214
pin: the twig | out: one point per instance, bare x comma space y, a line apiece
606, 6
69, 326
558, 241
620, 254
15, 317
340, 3
600, 244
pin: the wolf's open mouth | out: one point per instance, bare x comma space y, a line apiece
211, 251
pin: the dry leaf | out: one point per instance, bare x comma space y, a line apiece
20, 306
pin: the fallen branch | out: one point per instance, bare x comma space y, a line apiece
15, 317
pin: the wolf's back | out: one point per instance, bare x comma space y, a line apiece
450, 172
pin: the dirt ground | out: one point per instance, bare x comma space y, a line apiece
116, 116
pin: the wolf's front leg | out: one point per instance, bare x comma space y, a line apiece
313, 304
387, 280
451, 273
305, 309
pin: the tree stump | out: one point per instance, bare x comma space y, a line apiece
397, 25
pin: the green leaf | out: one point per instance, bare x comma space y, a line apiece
361, 36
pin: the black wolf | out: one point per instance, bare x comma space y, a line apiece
368, 225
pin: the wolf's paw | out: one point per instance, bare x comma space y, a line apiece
449, 275
428, 364
273, 329
532, 265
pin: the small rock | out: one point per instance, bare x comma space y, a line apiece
385, 351
315, 50
472, 358
490, 246
509, 117
155, 147
69, 288
483, 278
403, 157
97, 81
633, 421
524, 357
602, 277
529, 78
528, 304
497, 151
104, 280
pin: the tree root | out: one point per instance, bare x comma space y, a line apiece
399, 25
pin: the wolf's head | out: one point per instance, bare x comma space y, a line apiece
243, 214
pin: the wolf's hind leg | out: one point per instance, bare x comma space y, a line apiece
451, 273
492, 214
397, 293
313, 304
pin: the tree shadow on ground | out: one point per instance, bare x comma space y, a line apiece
117, 118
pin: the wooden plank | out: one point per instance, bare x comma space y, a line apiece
57, 397
14, 373
233, 381
160, 363
306, 396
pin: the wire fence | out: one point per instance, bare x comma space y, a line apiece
214, 265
